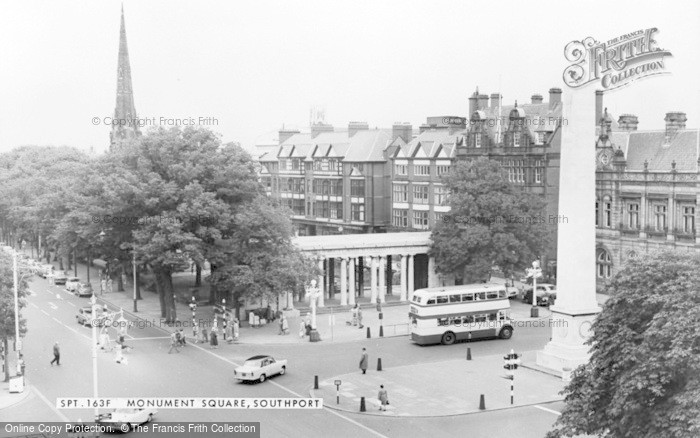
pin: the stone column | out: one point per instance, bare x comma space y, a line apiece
351, 282
381, 294
432, 276
321, 279
410, 274
404, 286
670, 218
343, 282
576, 306
373, 278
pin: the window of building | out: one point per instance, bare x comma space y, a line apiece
511, 170
400, 192
477, 140
357, 188
336, 187
539, 170
633, 215
421, 170
607, 214
336, 210
439, 217
604, 264
333, 165
283, 163
357, 212
440, 195
689, 219
519, 171
442, 169
540, 137
597, 212
295, 163
401, 169
325, 187
267, 182
400, 218
420, 220
290, 185
660, 217
420, 194
516, 140
298, 207
318, 165
323, 209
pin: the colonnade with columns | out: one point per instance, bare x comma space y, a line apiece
351, 276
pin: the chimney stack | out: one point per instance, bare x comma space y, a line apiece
318, 128
403, 130
536, 98
598, 106
472, 102
495, 101
554, 97
285, 134
628, 122
675, 121
353, 127
483, 102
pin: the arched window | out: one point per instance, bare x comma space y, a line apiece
604, 264
631, 254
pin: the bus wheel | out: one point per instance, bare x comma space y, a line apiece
506, 333
448, 338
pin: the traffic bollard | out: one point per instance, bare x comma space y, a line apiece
369, 335
482, 403
379, 364
362, 404
381, 331
315, 382
469, 353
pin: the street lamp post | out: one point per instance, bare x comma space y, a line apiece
93, 301
535, 272
15, 275
313, 293
133, 268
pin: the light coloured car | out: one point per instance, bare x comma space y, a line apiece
124, 420
83, 290
60, 277
46, 270
85, 317
72, 284
259, 368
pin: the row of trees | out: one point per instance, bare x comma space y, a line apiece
170, 196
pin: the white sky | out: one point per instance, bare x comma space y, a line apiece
258, 64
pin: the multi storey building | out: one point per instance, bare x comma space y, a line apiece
647, 190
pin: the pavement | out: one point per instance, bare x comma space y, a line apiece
425, 390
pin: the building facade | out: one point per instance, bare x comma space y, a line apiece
647, 189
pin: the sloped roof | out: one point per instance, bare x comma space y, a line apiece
368, 146
431, 141
683, 148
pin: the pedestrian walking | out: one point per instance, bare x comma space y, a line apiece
195, 331
354, 315
236, 327
364, 361
302, 329
359, 317
214, 337
173, 343
284, 325
109, 285
183, 340
228, 333
103, 286
205, 336
20, 365
56, 354
383, 397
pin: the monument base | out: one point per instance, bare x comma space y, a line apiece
569, 333
314, 336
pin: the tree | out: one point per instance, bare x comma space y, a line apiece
7, 305
492, 222
643, 376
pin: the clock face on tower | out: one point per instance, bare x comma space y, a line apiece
603, 157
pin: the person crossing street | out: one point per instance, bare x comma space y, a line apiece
173, 343
56, 354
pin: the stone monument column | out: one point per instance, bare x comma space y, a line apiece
576, 306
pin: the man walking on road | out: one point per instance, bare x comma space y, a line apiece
364, 361
56, 354
173, 343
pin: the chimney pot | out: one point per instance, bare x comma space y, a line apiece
536, 98
675, 121
554, 97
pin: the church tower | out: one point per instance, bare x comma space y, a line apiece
125, 124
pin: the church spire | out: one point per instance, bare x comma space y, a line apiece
125, 123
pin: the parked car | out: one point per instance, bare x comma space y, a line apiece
260, 368
85, 317
72, 284
123, 420
544, 292
60, 277
46, 270
84, 290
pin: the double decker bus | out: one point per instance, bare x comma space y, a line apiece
451, 313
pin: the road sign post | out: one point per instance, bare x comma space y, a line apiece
337, 391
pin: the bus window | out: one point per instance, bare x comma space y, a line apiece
442, 321
502, 314
455, 298
492, 316
416, 298
468, 319
480, 318
431, 301
442, 299
501, 294
480, 296
467, 297
492, 295
456, 321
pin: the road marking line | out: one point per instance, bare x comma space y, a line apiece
73, 330
53, 407
70, 303
551, 411
360, 425
53, 306
45, 312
